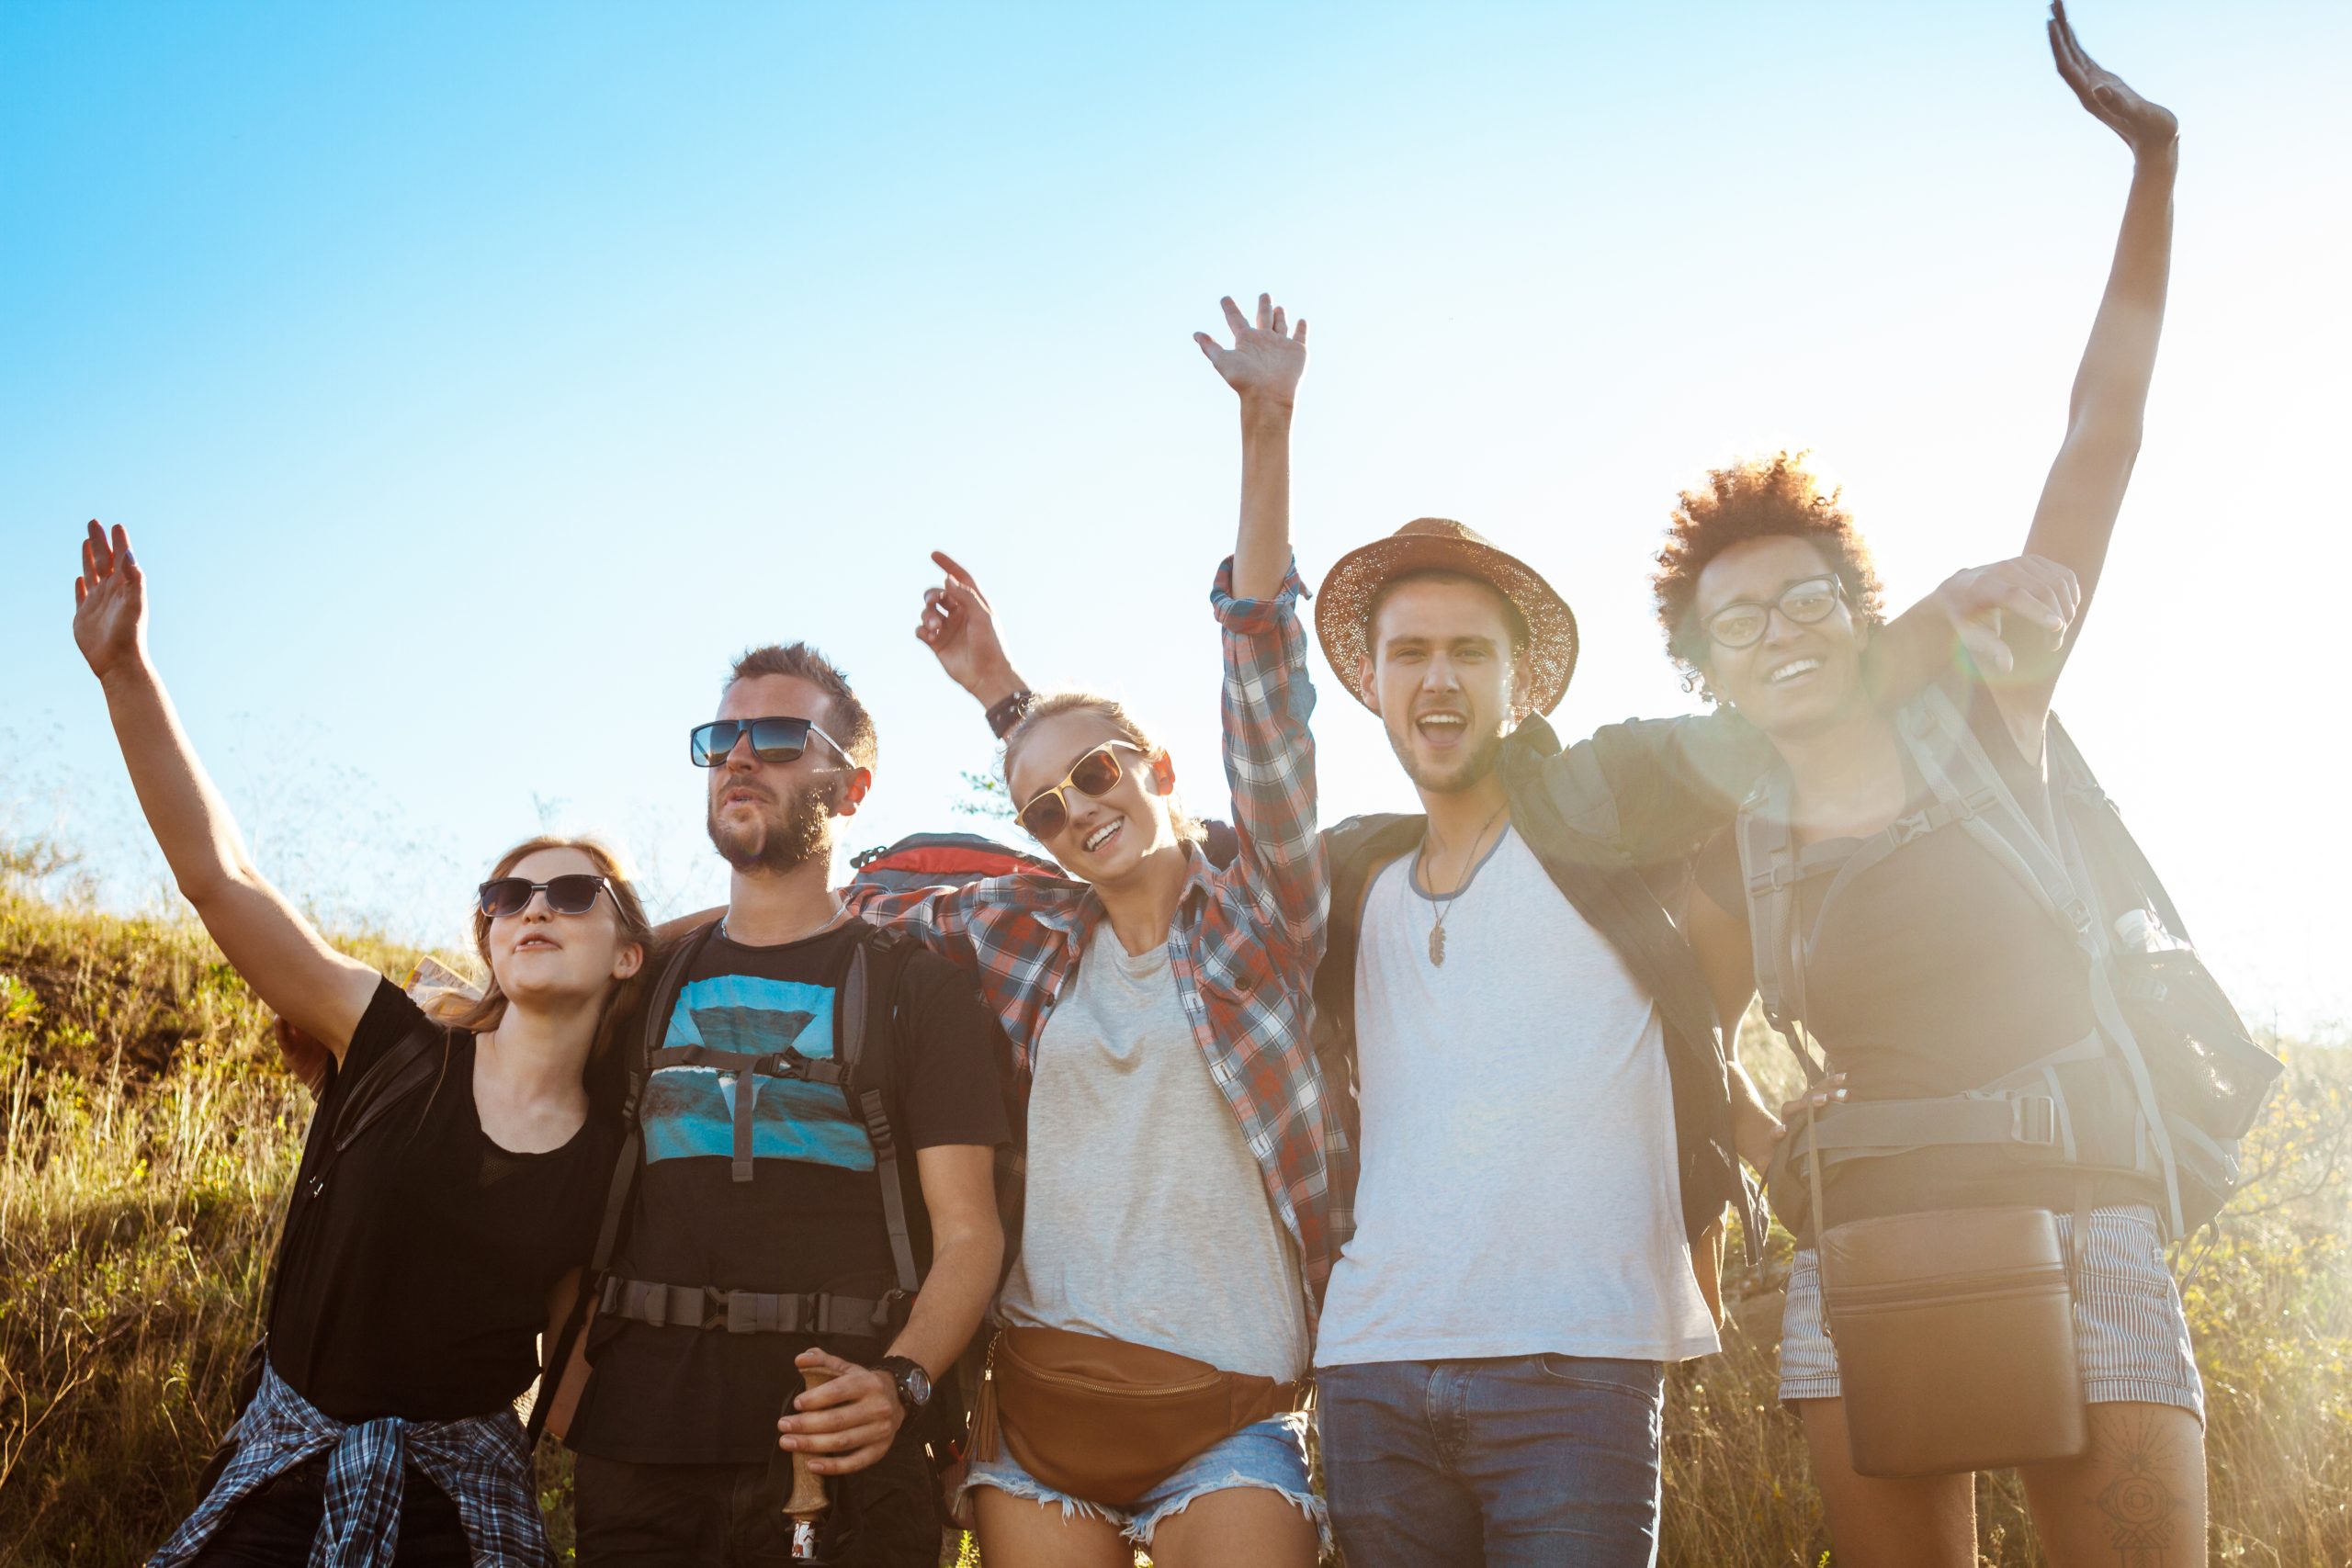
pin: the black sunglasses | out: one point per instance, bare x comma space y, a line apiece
1741, 623
772, 739
571, 894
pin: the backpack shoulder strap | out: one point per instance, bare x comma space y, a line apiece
663, 996
1955, 766
1772, 869
415, 1057
868, 1053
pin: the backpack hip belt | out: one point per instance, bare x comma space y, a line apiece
752, 1311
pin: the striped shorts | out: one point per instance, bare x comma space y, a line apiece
2130, 1336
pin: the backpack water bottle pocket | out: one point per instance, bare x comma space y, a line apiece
2205, 1065
1955, 1339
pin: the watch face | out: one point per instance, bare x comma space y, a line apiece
914, 1385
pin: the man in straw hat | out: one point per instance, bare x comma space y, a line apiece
1511, 1000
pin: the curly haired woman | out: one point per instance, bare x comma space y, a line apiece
1930, 971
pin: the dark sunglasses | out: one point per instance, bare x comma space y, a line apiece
1097, 773
1742, 623
772, 739
572, 894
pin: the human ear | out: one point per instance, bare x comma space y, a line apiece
629, 960
1365, 681
852, 790
1163, 774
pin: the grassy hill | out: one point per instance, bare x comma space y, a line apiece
147, 1133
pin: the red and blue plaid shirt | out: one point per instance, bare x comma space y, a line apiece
1245, 941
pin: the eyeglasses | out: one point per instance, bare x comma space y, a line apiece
1742, 623
1095, 775
772, 739
574, 894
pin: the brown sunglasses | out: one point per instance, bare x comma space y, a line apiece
1097, 773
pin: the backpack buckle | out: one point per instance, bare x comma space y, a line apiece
894, 1307
2034, 1120
1902, 829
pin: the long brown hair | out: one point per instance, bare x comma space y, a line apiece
486, 1013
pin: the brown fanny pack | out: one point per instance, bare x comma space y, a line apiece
1105, 1421
1954, 1332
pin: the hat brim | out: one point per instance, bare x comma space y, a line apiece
1343, 606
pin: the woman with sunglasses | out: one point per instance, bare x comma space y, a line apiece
423, 1262
1927, 969
1158, 1010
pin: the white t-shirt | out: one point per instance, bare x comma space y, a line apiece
1519, 1194
1146, 1218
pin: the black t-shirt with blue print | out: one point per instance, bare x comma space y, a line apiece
810, 1218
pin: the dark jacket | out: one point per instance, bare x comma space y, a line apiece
1614, 820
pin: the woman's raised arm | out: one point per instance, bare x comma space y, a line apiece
2079, 502
288, 963
1262, 367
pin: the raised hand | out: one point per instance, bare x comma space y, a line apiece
109, 603
2145, 126
1266, 359
959, 628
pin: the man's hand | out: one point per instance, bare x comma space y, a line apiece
959, 628
306, 1058
2026, 601
847, 1424
1266, 360
1829, 1091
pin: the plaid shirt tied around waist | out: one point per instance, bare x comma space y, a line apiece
483, 1462
1245, 940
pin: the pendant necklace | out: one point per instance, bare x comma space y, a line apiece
1437, 931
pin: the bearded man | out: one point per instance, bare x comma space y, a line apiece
771, 1230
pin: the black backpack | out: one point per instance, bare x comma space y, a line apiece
2166, 1086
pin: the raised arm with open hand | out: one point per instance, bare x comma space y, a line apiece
2075, 517
1262, 367
288, 963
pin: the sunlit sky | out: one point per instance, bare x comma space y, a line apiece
478, 381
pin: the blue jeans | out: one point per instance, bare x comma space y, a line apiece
1513, 1462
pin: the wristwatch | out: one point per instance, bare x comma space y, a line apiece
912, 1383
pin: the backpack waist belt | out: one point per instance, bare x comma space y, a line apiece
751, 1311
1889, 1125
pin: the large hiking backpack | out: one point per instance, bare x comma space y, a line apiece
2163, 1090
862, 1068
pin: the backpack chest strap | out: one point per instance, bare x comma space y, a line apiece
749, 1066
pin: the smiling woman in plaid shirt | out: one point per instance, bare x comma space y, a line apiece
1178, 1139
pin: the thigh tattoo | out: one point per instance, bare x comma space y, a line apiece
2143, 1513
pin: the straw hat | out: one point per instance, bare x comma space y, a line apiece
1343, 607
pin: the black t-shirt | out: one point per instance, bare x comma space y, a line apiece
1936, 972
415, 1283
810, 1219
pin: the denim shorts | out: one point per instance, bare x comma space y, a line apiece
1270, 1455
2130, 1338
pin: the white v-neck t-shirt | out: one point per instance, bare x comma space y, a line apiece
1519, 1194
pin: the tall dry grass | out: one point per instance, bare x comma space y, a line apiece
149, 1133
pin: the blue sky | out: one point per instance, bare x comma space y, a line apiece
478, 381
